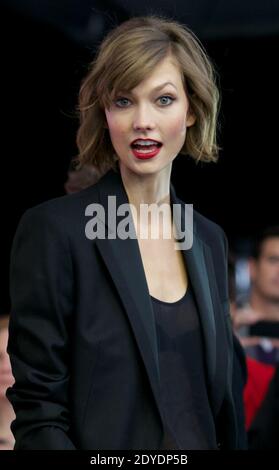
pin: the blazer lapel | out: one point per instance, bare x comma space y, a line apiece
197, 259
123, 260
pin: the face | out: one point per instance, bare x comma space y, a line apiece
157, 109
6, 377
265, 271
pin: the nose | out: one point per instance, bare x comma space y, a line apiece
143, 118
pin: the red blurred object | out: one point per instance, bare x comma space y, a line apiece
258, 380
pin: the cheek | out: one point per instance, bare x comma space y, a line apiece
177, 127
116, 125
266, 275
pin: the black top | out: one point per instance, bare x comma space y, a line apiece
189, 423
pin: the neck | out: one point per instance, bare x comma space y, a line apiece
269, 309
147, 189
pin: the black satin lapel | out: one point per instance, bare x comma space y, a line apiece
198, 271
124, 265
220, 379
123, 261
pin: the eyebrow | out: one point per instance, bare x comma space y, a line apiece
163, 85
156, 88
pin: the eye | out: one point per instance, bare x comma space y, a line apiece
166, 97
121, 100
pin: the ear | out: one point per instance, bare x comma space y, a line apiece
190, 119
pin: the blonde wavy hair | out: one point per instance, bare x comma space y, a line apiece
127, 56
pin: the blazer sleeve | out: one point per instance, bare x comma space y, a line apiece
227, 421
41, 288
237, 367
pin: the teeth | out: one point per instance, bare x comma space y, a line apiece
145, 142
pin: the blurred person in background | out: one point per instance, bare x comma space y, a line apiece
257, 323
6, 380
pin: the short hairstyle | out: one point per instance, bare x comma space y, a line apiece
127, 56
268, 232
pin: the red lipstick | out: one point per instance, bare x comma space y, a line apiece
144, 149
146, 155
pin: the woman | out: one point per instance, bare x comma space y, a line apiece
124, 342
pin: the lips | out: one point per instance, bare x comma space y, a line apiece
146, 154
144, 149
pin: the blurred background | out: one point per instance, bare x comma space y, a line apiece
45, 48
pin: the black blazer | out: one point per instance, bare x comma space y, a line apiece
82, 332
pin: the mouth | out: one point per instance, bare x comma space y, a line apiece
144, 151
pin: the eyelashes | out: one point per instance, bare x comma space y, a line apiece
168, 97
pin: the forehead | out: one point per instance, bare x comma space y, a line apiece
167, 71
168, 67
270, 247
